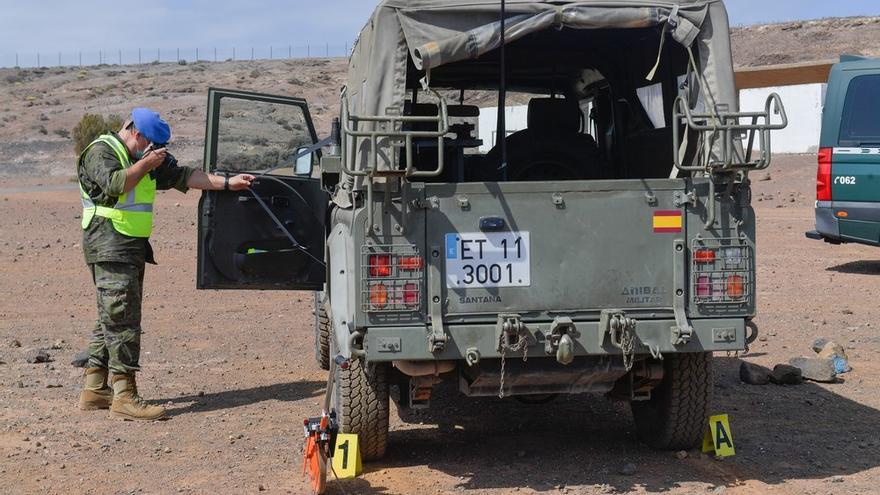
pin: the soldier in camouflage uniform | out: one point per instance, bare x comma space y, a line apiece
119, 174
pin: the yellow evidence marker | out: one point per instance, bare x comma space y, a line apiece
718, 438
347, 457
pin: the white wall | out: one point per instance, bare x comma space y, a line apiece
803, 105
515, 119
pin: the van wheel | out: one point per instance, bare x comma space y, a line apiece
675, 416
322, 333
361, 399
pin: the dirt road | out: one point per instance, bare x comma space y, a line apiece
237, 372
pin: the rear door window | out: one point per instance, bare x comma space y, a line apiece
860, 123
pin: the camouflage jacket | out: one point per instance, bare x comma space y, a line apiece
103, 178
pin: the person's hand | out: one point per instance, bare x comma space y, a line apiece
240, 182
154, 159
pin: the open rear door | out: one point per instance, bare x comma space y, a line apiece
271, 236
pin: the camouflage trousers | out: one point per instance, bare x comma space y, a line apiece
116, 338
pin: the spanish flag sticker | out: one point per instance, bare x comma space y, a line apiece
667, 222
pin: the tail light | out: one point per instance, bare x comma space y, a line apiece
704, 256
735, 286
823, 175
411, 294
378, 295
704, 286
722, 271
392, 279
411, 263
380, 265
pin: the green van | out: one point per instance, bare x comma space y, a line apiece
848, 177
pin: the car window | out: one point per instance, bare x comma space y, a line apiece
860, 122
258, 135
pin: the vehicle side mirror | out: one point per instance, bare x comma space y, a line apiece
304, 164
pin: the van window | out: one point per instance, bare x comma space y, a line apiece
860, 123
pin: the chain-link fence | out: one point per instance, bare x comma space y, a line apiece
147, 56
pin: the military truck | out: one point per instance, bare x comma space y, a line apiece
608, 247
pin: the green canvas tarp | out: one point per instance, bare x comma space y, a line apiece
438, 32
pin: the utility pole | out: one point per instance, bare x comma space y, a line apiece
289, 51
215, 54
327, 51
252, 53
16, 60
59, 59
197, 54
270, 52
120, 57
158, 54
178, 54
80, 59
38, 59
308, 51
139, 56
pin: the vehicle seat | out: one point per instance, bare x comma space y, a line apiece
551, 147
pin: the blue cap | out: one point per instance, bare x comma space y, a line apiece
151, 125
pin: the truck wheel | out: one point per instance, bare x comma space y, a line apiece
362, 406
675, 416
322, 333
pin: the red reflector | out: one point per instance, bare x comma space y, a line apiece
823, 175
378, 295
380, 265
704, 256
704, 286
735, 286
411, 294
411, 263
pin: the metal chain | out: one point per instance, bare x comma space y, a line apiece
627, 347
521, 344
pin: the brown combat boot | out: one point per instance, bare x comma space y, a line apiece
127, 404
95, 393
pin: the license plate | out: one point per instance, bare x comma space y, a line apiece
478, 259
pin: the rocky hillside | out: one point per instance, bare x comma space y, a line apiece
39, 107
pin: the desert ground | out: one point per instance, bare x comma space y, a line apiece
237, 373
236, 369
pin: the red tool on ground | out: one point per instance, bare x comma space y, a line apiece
320, 435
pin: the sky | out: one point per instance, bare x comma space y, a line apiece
92, 29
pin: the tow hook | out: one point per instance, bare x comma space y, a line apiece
622, 333
560, 339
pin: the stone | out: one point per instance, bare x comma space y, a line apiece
19, 384
53, 385
58, 344
766, 177
38, 356
819, 343
831, 349
80, 360
815, 369
628, 469
681, 454
784, 374
14, 343
753, 374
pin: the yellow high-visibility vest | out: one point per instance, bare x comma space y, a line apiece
132, 215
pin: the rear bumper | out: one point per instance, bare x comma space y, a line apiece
861, 224
410, 343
